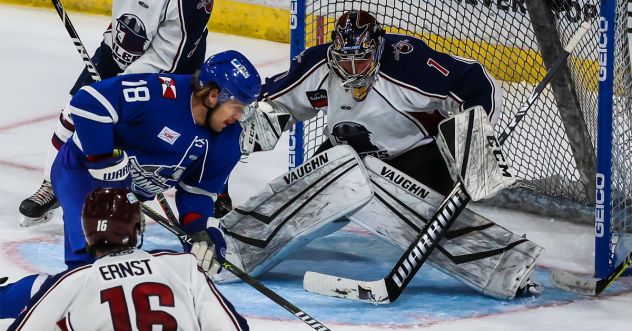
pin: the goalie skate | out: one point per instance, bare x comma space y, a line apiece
40, 207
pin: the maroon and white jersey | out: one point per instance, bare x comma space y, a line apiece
149, 36
416, 88
131, 290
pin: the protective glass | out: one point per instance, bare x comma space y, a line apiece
227, 99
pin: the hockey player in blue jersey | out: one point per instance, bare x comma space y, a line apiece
385, 95
150, 133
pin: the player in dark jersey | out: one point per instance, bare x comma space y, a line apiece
157, 36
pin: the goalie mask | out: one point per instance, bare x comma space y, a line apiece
358, 41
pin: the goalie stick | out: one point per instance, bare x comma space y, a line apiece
185, 238
388, 289
579, 285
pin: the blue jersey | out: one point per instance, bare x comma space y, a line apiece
149, 116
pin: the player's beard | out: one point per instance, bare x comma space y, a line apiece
209, 113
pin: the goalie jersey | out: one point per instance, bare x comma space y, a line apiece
131, 288
416, 88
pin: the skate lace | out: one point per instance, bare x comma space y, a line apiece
44, 195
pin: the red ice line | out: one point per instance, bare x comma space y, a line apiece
29, 122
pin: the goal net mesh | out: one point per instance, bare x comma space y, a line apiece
502, 39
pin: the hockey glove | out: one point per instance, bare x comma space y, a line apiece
262, 128
210, 247
223, 205
110, 171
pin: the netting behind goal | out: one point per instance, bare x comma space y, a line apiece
554, 149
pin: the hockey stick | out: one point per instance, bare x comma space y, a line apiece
583, 29
579, 285
185, 238
388, 289
75, 39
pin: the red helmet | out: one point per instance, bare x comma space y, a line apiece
111, 216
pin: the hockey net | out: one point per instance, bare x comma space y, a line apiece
554, 149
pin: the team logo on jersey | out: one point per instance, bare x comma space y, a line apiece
207, 5
168, 88
241, 68
168, 135
402, 47
318, 98
130, 39
358, 137
149, 180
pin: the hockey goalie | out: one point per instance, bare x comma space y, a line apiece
388, 162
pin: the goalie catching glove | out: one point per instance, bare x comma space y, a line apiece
262, 128
210, 246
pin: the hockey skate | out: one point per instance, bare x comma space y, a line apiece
223, 205
39, 208
529, 287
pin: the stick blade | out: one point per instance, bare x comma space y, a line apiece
372, 292
573, 284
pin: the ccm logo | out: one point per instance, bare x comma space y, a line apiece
498, 155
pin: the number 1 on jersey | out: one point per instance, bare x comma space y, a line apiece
434, 64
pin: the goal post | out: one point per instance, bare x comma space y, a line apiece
573, 150
613, 207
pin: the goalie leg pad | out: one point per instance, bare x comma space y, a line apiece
294, 209
482, 254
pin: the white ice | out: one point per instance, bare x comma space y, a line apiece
38, 65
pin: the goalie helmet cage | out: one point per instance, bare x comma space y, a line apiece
558, 148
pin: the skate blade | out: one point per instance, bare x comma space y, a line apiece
31, 221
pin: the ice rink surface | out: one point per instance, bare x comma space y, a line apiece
38, 65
